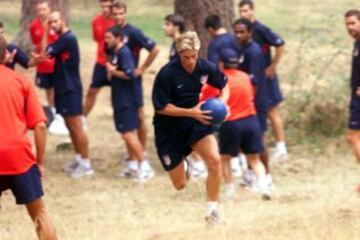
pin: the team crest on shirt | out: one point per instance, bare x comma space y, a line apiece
204, 79
241, 59
167, 160
114, 60
356, 52
126, 39
279, 41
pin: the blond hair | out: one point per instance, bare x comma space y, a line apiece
188, 41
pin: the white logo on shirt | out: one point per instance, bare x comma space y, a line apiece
204, 79
115, 60
279, 41
242, 59
180, 86
356, 52
167, 160
126, 39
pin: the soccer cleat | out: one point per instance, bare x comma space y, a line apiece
82, 171
144, 176
278, 156
248, 179
197, 173
127, 173
70, 166
213, 219
58, 127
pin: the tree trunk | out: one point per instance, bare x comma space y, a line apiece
28, 13
195, 12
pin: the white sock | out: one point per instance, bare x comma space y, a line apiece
210, 207
243, 161
53, 110
77, 158
133, 165
235, 163
199, 165
186, 166
281, 147
85, 162
145, 165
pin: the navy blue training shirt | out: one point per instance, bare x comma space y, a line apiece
135, 39
266, 38
252, 61
355, 71
218, 43
20, 57
124, 91
174, 85
173, 52
67, 62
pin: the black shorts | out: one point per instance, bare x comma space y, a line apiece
262, 116
173, 146
274, 92
99, 77
126, 119
244, 134
25, 187
354, 120
69, 104
44, 80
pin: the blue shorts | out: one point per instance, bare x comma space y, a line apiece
44, 80
262, 116
126, 119
244, 134
274, 92
174, 146
99, 77
69, 104
25, 187
354, 120
140, 93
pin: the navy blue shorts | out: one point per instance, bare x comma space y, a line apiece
44, 80
140, 93
174, 146
262, 116
244, 134
274, 92
99, 77
25, 187
354, 120
126, 119
69, 104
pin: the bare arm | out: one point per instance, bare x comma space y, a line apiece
111, 69
225, 93
149, 60
40, 143
195, 112
270, 71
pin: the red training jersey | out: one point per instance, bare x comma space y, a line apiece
100, 24
37, 31
20, 110
242, 94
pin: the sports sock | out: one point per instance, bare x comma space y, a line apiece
210, 207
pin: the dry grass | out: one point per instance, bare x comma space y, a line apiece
314, 196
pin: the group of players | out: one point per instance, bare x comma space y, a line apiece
240, 70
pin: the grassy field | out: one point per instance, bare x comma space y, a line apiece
314, 196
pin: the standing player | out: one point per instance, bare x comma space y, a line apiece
241, 129
45, 70
253, 63
20, 170
68, 91
352, 21
221, 39
136, 40
267, 39
174, 26
180, 125
100, 24
124, 102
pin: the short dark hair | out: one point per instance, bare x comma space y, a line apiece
176, 20
353, 12
116, 31
213, 21
1, 24
119, 4
250, 3
3, 47
246, 22
43, 1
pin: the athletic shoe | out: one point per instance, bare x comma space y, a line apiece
197, 173
270, 182
82, 171
248, 179
213, 219
144, 176
278, 156
70, 166
265, 189
127, 173
58, 127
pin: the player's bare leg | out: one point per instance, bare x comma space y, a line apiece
50, 97
90, 100
353, 139
81, 146
277, 124
178, 176
39, 216
142, 133
260, 172
227, 172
